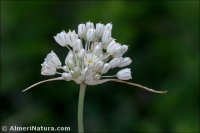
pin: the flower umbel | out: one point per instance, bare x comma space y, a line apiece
88, 63
92, 53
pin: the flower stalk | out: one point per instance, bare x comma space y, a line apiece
80, 108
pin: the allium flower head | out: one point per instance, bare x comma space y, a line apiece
92, 53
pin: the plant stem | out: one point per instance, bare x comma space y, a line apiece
80, 107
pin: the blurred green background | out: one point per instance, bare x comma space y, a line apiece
164, 46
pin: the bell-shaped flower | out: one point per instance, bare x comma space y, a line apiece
89, 25
115, 62
113, 47
125, 62
106, 36
81, 53
99, 29
71, 38
53, 60
90, 34
124, 74
60, 38
47, 69
70, 57
105, 68
98, 66
108, 26
78, 45
82, 30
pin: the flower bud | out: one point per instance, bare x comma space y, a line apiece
98, 66
106, 36
105, 68
78, 45
90, 34
52, 60
125, 62
114, 62
108, 26
124, 74
60, 38
82, 30
99, 29
81, 53
67, 76
89, 25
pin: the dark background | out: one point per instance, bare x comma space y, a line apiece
164, 46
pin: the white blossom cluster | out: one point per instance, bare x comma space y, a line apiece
92, 53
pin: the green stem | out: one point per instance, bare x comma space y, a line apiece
80, 108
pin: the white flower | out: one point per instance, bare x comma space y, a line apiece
124, 74
98, 49
47, 70
98, 67
71, 38
70, 57
92, 53
113, 47
114, 62
105, 68
78, 45
125, 62
60, 38
53, 60
89, 25
90, 34
99, 29
82, 30
108, 26
106, 36
81, 53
